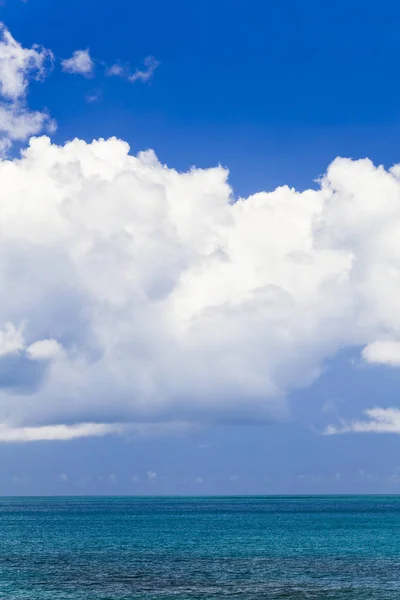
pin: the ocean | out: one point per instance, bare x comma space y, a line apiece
325, 548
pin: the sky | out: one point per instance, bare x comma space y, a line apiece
199, 248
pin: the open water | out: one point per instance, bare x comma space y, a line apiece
325, 548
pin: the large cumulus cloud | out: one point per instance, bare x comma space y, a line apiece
134, 294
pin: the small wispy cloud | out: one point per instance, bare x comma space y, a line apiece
378, 420
94, 97
63, 432
151, 475
115, 71
80, 63
144, 74
58, 432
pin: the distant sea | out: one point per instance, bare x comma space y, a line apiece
200, 548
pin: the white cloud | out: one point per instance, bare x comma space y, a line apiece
58, 432
383, 352
80, 63
11, 340
17, 122
144, 75
5, 145
18, 66
63, 477
44, 350
150, 299
233, 478
199, 480
116, 71
379, 420
151, 475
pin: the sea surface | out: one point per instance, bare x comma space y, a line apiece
200, 548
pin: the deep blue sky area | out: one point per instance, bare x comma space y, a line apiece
274, 91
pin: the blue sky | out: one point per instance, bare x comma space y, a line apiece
274, 92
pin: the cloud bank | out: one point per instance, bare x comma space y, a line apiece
135, 295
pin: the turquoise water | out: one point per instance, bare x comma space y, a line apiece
196, 548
